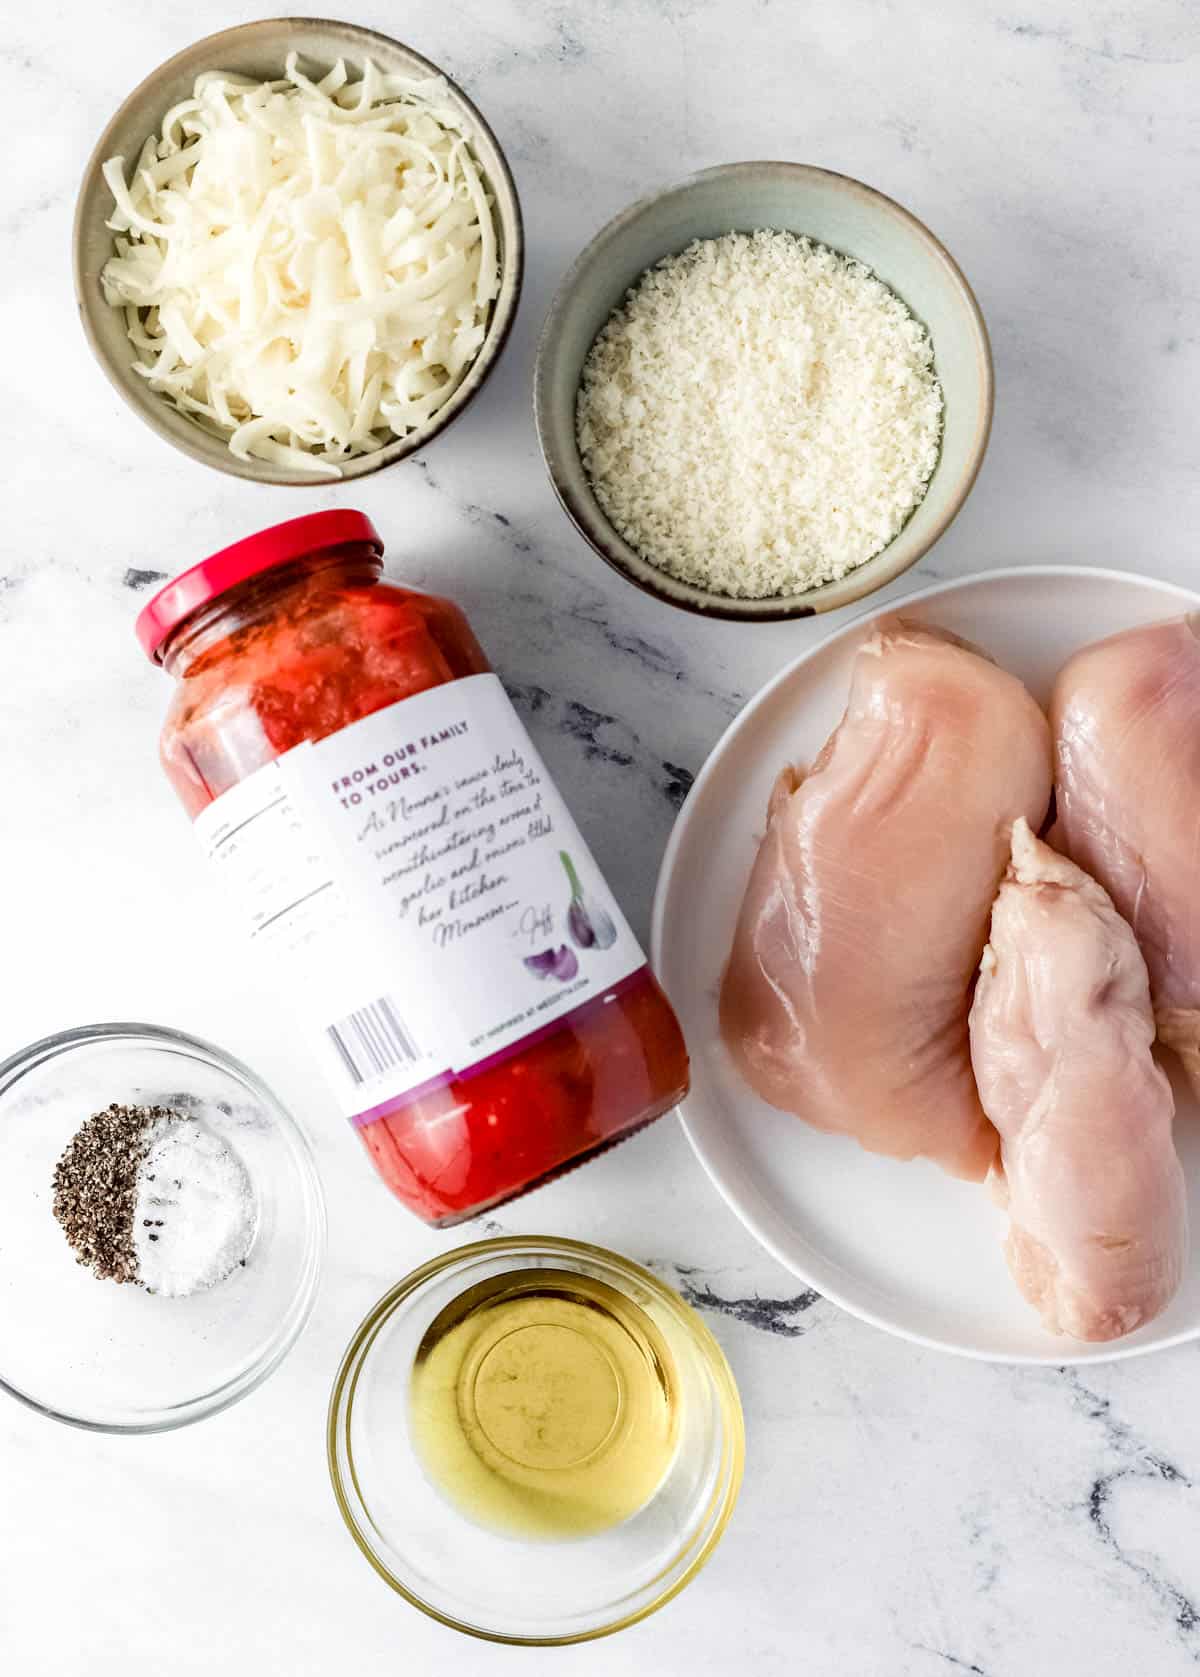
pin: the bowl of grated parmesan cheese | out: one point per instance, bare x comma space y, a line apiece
763, 393
298, 251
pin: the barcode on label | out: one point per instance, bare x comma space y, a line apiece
373, 1040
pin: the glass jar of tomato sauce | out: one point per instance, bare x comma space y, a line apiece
367, 794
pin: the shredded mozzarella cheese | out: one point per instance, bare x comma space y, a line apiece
760, 415
305, 267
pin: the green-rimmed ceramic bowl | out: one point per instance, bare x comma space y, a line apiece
836, 211
258, 50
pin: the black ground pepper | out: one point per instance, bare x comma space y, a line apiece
96, 1187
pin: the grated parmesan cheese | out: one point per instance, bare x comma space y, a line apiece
305, 267
760, 415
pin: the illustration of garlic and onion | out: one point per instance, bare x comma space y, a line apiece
590, 926
561, 963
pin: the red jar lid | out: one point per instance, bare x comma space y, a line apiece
298, 538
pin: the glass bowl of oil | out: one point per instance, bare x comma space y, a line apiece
535, 1441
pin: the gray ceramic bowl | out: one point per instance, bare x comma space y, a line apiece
839, 212
259, 49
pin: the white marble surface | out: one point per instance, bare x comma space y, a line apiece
904, 1514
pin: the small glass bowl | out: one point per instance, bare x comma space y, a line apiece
116, 1358
520, 1590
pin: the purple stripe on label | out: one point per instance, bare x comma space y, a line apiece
583, 1009
573, 1016
397, 1101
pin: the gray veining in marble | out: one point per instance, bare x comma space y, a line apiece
904, 1514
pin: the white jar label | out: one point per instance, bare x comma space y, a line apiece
426, 894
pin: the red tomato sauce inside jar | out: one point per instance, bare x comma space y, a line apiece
290, 637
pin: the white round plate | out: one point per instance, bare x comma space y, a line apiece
901, 1245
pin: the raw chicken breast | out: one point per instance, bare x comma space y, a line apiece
1126, 719
1061, 1032
845, 997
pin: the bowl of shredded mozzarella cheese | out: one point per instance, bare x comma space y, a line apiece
764, 392
298, 251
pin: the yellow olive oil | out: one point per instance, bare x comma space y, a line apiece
544, 1404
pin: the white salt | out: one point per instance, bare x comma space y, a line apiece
195, 1209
